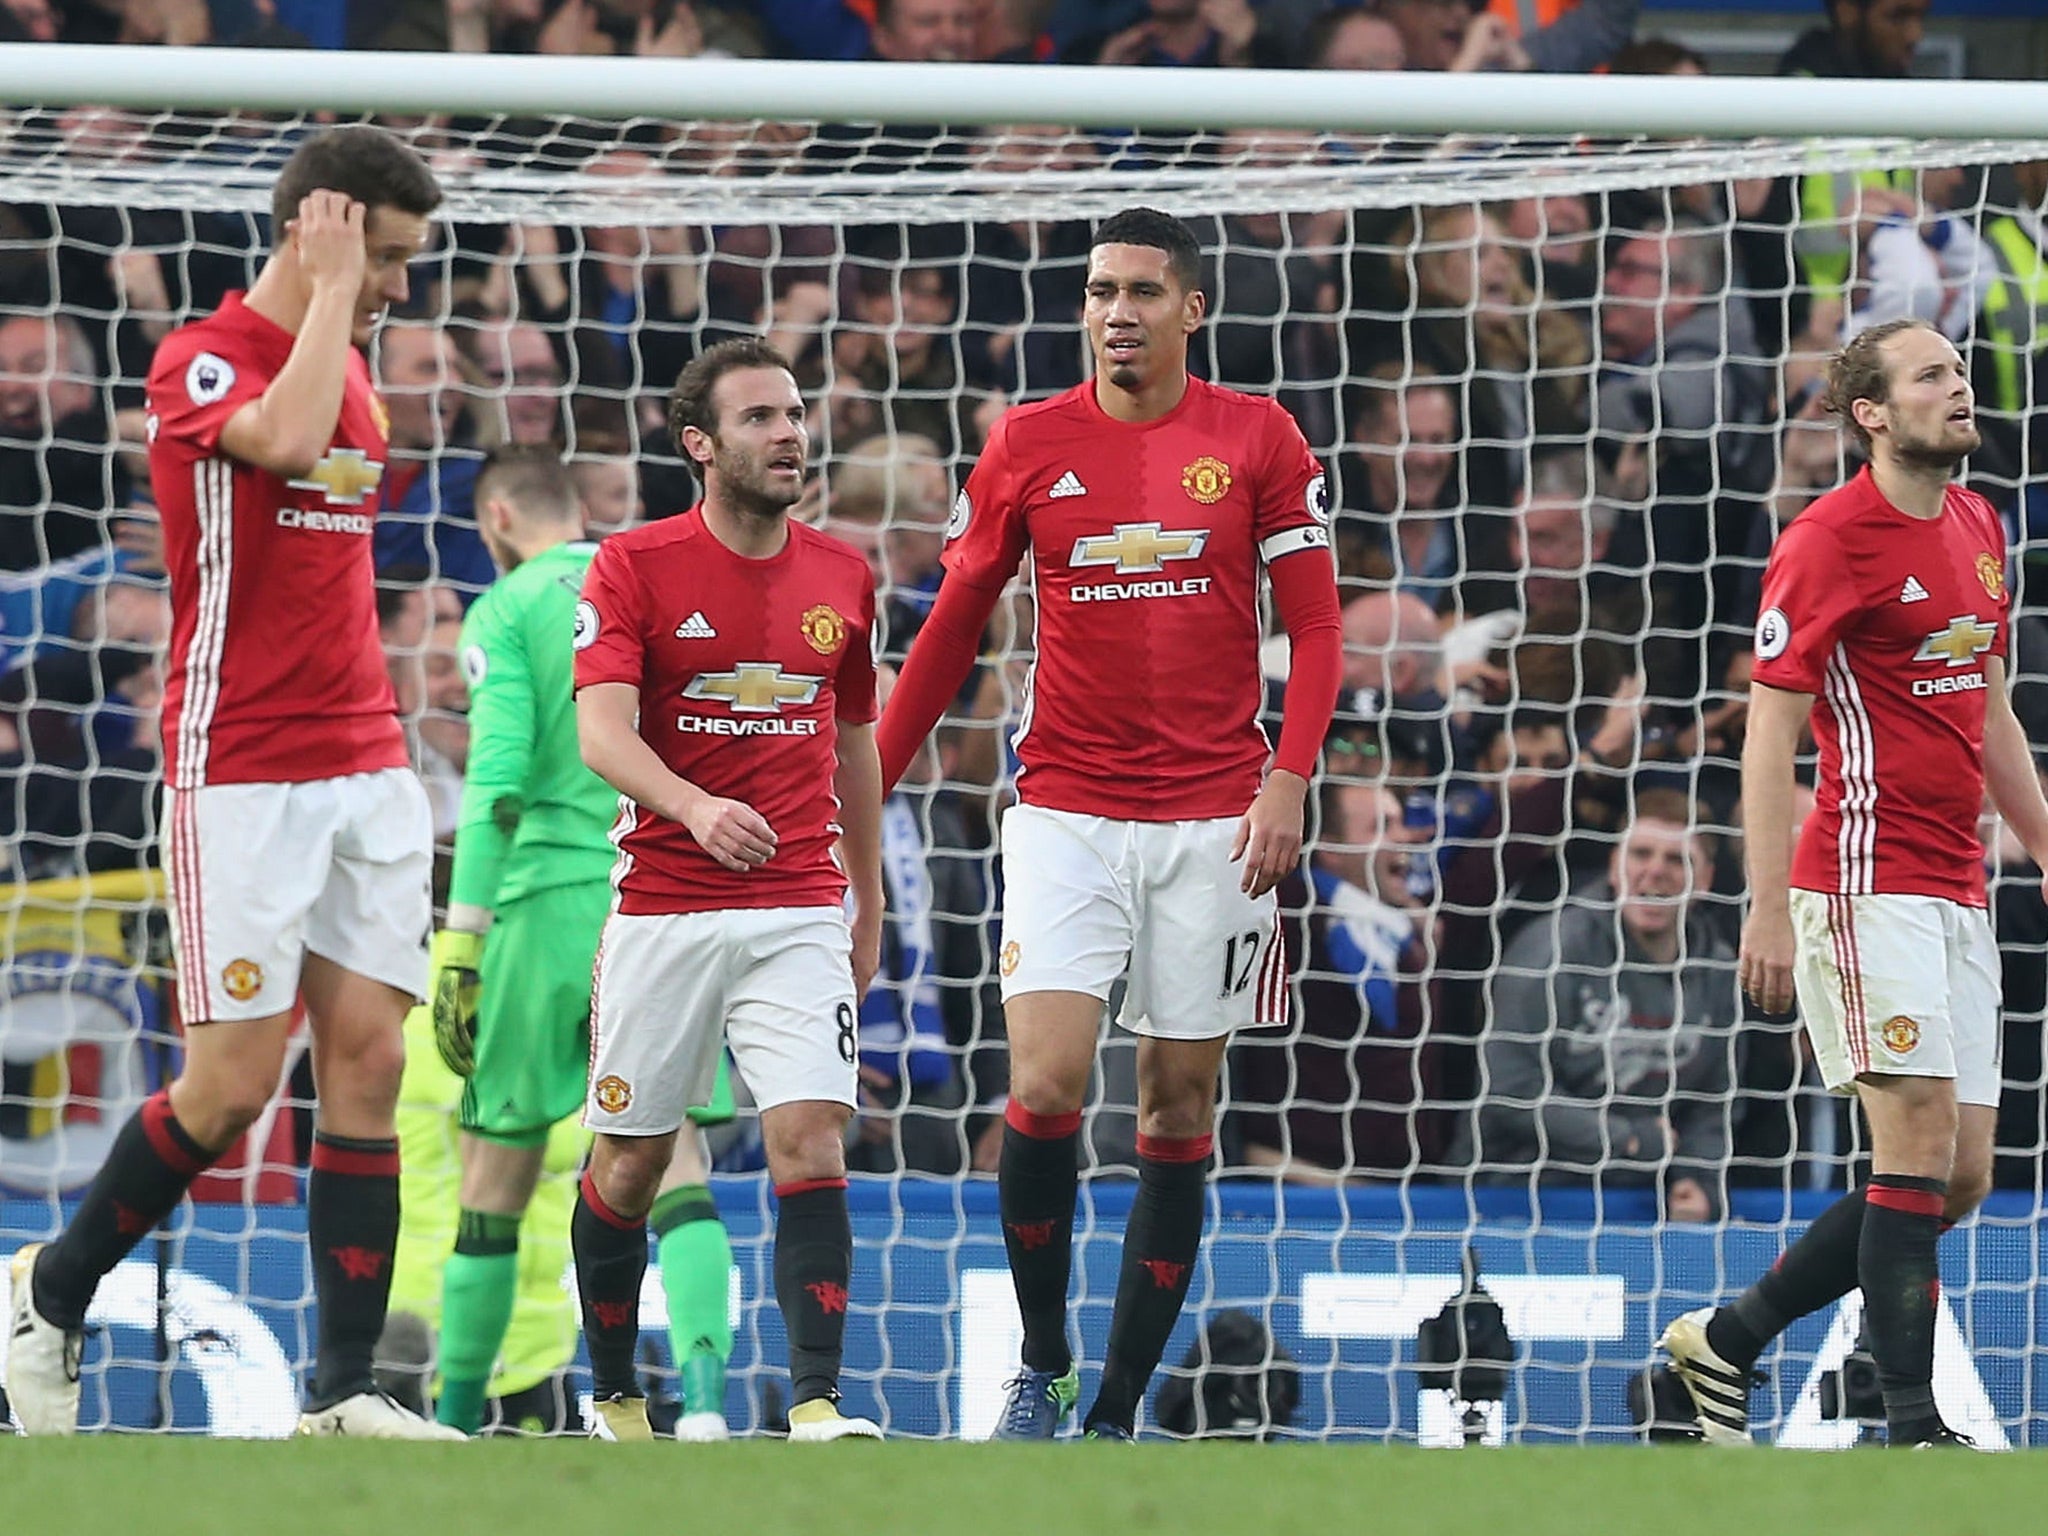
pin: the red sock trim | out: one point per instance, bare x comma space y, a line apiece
603, 1212
1039, 1127
806, 1186
1176, 1149
1914, 1202
157, 1124
363, 1159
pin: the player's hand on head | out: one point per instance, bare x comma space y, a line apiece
732, 832
328, 237
1269, 836
1765, 966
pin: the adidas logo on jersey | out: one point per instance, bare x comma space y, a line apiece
1068, 484
1912, 591
696, 627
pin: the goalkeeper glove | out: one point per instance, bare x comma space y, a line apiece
452, 994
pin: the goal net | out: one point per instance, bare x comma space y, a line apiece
1564, 388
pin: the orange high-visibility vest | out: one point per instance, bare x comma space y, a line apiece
1527, 16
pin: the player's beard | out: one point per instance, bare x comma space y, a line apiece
1943, 450
749, 490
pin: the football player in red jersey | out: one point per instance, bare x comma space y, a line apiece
1885, 625
297, 837
1154, 818
725, 686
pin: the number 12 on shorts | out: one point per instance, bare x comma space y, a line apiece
1240, 960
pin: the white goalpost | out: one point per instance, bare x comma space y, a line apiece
1554, 338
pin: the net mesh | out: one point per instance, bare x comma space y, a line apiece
1564, 391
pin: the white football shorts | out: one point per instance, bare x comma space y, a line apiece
773, 983
1087, 898
1904, 986
262, 873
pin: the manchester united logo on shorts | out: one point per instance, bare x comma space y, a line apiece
1900, 1035
1207, 480
241, 979
824, 630
1009, 958
1991, 571
613, 1094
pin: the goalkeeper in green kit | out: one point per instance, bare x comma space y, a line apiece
510, 991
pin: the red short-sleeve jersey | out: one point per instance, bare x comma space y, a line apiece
744, 667
275, 670
1148, 541
1888, 619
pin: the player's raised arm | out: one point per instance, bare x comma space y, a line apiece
288, 426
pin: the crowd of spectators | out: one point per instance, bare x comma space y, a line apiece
1561, 429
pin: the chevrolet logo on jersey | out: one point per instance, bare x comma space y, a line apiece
1135, 547
346, 475
1960, 644
754, 687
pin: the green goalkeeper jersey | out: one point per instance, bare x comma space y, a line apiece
533, 817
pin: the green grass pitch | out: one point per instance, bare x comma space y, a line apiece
159, 1486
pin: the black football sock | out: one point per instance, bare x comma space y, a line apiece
351, 1228
1901, 1280
1037, 1180
153, 1162
611, 1261
1160, 1247
1818, 1269
813, 1263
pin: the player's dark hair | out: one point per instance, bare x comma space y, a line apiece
690, 403
1162, 232
533, 478
363, 163
1859, 372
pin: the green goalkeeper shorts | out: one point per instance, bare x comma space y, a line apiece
533, 1014
533, 1018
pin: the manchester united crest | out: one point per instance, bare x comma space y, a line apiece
824, 630
1207, 480
1900, 1035
1991, 571
241, 979
613, 1094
